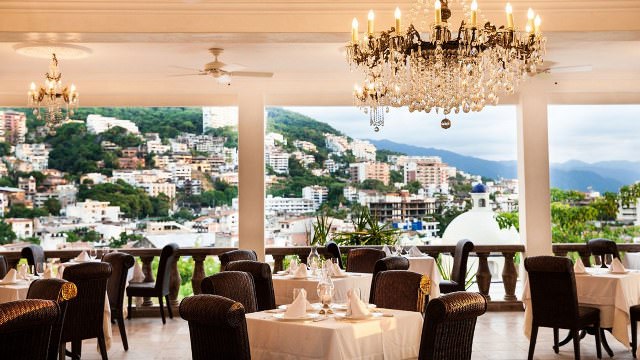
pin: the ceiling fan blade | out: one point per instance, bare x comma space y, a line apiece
252, 74
184, 68
180, 75
233, 67
568, 69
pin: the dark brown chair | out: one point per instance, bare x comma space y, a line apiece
363, 260
449, 325
554, 302
217, 328
457, 279
60, 291
34, 255
634, 311
261, 273
401, 290
25, 328
603, 250
384, 264
236, 255
235, 285
334, 252
159, 288
85, 313
120, 265
3, 266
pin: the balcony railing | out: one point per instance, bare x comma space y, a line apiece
482, 252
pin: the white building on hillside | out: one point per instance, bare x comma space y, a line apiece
292, 206
219, 116
316, 193
35, 154
278, 161
97, 124
363, 150
91, 211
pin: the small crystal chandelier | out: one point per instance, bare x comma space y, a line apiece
58, 101
442, 73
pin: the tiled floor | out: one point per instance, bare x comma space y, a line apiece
498, 336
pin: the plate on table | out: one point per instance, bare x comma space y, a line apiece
306, 317
314, 307
371, 316
619, 272
343, 306
2, 282
340, 276
282, 272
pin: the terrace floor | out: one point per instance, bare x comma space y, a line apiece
498, 336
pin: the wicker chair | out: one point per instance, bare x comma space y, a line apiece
388, 263
449, 324
60, 291
334, 252
159, 288
635, 317
25, 328
601, 249
34, 255
235, 285
217, 327
236, 255
363, 260
120, 265
459, 269
85, 313
554, 302
261, 273
401, 290
4, 267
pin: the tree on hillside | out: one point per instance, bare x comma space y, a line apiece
121, 137
228, 132
5, 149
413, 186
133, 202
396, 176
297, 126
374, 184
7, 235
53, 206
21, 211
74, 150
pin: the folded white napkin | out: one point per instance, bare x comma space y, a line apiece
11, 276
23, 272
356, 308
298, 307
83, 257
301, 272
386, 250
60, 271
616, 266
336, 270
415, 252
578, 267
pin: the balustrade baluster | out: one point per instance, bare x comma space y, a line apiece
148, 276
509, 276
484, 275
174, 282
278, 263
198, 273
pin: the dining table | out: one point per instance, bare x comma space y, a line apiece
426, 265
612, 293
284, 283
386, 334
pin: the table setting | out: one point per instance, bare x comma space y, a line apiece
420, 263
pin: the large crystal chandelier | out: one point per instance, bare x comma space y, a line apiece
437, 71
56, 101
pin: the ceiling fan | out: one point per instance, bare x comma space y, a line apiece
224, 72
549, 68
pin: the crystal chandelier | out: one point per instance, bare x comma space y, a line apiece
436, 71
58, 102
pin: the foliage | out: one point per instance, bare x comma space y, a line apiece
413, 187
395, 176
374, 184
230, 134
569, 222
321, 230
606, 206
297, 126
123, 239
444, 216
183, 214
569, 196
83, 234
5, 149
7, 235
21, 211
74, 150
134, 202
53, 206
7, 181
508, 219
185, 268
121, 137
445, 266
382, 154
368, 231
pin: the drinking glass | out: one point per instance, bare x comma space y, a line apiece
398, 248
325, 290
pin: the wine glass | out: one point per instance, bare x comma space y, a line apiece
398, 248
325, 290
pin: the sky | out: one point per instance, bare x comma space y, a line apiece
576, 132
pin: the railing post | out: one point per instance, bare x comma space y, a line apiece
484, 275
509, 276
278, 263
174, 282
148, 276
585, 255
198, 273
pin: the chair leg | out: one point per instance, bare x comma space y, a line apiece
532, 341
103, 347
576, 344
123, 332
556, 335
161, 310
76, 348
129, 308
169, 307
605, 344
61, 351
598, 340
634, 337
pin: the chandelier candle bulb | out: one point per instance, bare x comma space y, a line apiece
438, 12
354, 31
509, 10
398, 14
530, 16
370, 22
474, 14
537, 23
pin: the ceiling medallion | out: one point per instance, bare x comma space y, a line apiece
442, 72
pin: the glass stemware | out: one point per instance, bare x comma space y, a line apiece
325, 290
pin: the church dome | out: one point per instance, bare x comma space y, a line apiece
478, 189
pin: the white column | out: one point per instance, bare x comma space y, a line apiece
251, 126
533, 170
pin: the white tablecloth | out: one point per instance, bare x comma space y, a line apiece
396, 337
611, 293
14, 292
426, 265
631, 261
283, 287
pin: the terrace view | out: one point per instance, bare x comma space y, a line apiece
319, 180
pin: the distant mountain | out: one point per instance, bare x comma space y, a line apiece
295, 126
576, 175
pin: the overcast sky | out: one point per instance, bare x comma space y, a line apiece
587, 133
